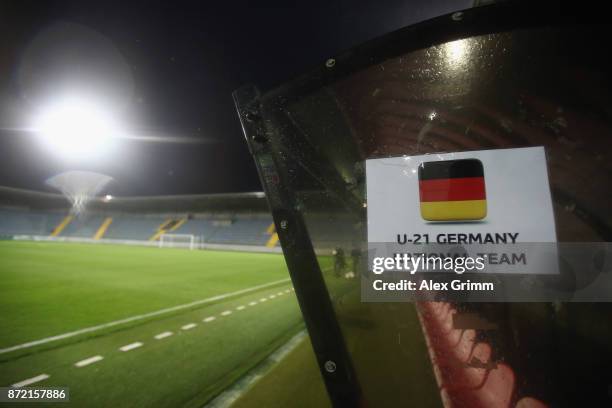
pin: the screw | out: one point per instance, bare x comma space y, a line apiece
330, 366
284, 224
458, 16
330, 63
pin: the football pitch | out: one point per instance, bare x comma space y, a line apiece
118, 324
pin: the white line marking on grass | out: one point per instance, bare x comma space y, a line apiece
287, 291
209, 319
88, 361
263, 299
240, 387
252, 303
29, 381
137, 317
241, 307
226, 313
189, 326
272, 296
280, 294
163, 335
131, 346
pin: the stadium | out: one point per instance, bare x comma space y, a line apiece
122, 282
190, 217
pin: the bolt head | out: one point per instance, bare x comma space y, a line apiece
458, 16
330, 366
330, 63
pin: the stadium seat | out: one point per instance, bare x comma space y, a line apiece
241, 230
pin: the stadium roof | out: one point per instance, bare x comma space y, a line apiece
230, 202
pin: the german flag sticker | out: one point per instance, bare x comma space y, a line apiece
452, 190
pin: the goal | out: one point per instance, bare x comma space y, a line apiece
177, 241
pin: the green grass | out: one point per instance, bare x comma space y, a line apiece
49, 288
52, 288
302, 385
388, 350
388, 353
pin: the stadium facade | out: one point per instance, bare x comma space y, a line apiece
239, 221
222, 219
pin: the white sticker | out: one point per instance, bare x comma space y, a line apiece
487, 197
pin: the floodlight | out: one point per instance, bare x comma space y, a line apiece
76, 128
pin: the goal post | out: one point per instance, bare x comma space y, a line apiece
177, 241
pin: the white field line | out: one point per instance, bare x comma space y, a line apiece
137, 317
252, 303
29, 381
272, 296
163, 335
131, 346
235, 391
209, 319
241, 307
189, 326
88, 361
280, 294
226, 313
263, 299
287, 291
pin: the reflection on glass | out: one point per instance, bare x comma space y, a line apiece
456, 52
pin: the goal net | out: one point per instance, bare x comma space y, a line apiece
177, 241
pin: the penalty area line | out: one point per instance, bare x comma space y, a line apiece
138, 317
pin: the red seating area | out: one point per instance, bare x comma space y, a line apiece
463, 365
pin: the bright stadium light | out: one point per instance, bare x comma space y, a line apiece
76, 128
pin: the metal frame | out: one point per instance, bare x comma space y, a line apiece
312, 294
326, 336
494, 18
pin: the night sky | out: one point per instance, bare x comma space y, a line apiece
182, 60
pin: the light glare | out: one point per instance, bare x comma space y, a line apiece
456, 52
76, 128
